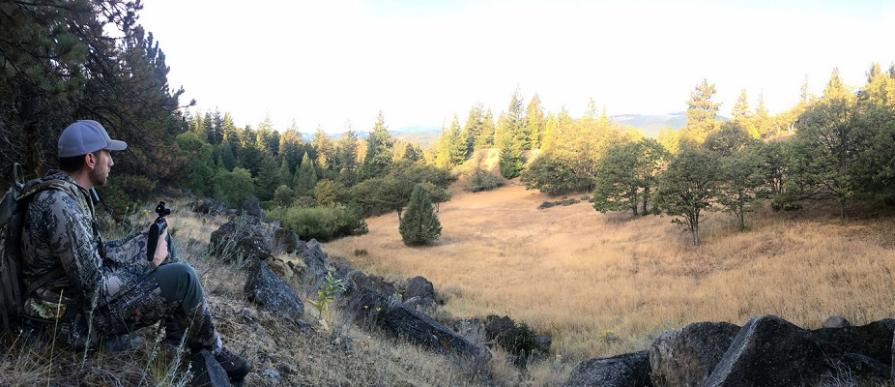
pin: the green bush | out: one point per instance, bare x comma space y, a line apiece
483, 181
322, 223
283, 195
234, 187
555, 176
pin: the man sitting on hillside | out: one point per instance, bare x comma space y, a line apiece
105, 289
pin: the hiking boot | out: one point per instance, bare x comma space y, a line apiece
237, 368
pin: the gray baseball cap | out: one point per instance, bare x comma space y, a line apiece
86, 136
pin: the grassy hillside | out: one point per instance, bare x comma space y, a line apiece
606, 284
333, 354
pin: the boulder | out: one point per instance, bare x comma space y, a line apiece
284, 241
241, 238
873, 340
836, 321
769, 351
628, 370
373, 301
315, 261
419, 287
686, 357
497, 325
272, 294
422, 330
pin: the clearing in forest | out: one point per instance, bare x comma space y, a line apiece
602, 284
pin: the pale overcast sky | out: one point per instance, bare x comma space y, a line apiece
329, 62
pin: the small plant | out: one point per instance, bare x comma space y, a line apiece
331, 288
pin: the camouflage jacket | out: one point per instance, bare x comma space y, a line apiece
61, 237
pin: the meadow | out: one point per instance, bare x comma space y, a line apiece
603, 284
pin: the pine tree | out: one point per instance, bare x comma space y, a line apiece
762, 121
305, 178
701, 113
535, 122
419, 224
740, 111
515, 122
510, 160
485, 139
324, 149
457, 144
347, 158
379, 149
472, 130
284, 174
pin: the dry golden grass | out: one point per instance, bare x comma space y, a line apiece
603, 284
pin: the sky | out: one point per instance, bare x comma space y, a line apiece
331, 64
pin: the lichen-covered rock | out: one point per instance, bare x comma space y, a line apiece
684, 358
628, 370
271, 293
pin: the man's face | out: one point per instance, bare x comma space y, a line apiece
101, 166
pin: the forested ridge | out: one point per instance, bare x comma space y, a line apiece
64, 61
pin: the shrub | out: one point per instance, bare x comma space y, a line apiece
234, 187
322, 223
283, 195
483, 181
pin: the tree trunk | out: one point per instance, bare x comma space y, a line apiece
645, 200
633, 200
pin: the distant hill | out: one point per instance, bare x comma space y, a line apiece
650, 124
421, 135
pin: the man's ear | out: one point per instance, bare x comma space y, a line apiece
90, 160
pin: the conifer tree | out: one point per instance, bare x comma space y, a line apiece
535, 122
347, 158
510, 160
762, 122
379, 149
485, 139
284, 174
419, 224
324, 149
701, 113
740, 111
268, 177
305, 178
472, 130
456, 143
290, 147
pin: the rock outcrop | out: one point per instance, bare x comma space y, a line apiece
374, 301
272, 293
769, 351
684, 358
628, 370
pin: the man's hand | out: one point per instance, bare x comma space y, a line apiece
161, 249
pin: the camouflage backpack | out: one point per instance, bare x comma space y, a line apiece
13, 291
